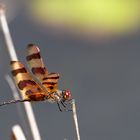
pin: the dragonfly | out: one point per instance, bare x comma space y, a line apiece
40, 85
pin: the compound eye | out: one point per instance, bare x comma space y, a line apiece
67, 95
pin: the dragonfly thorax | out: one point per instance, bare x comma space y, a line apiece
55, 96
59, 95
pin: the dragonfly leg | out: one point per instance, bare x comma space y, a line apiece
59, 107
65, 106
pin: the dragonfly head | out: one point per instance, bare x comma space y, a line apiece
66, 95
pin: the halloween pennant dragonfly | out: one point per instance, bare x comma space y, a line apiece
45, 87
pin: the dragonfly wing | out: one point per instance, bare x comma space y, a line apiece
35, 62
28, 87
50, 82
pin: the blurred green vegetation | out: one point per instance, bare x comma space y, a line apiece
116, 15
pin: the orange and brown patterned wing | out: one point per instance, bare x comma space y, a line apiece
35, 62
28, 87
50, 82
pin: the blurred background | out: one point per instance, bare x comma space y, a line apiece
95, 46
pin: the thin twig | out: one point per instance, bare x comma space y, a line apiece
25, 125
75, 119
13, 56
7, 35
12, 86
17, 133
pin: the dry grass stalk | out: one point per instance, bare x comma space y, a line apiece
75, 119
17, 133
13, 56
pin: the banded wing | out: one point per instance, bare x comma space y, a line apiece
28, 87
49, 81
35, 62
